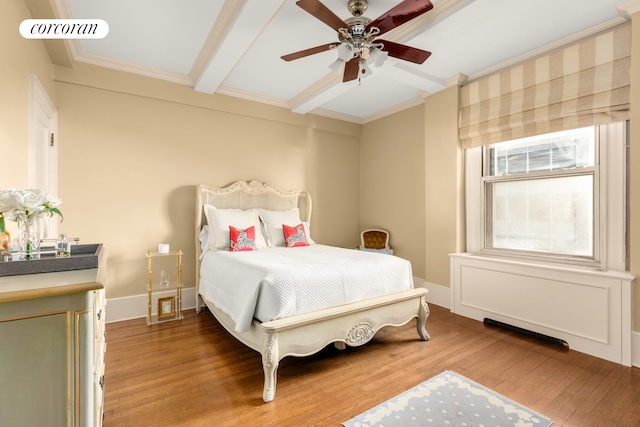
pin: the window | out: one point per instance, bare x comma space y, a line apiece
555, 197
539, 194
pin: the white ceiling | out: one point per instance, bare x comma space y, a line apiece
233, 47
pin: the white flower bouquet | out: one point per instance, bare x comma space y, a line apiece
21, 204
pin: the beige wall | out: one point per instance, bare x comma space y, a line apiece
392, 182
443, 171
19, 59
410, 174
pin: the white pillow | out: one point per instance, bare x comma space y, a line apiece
273, 221
204, 239
219, 221
307, 231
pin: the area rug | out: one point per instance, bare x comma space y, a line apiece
449, 399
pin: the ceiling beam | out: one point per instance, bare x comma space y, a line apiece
238, 25
400, 71
321, 92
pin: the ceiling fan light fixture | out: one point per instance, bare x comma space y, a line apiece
378, 56
345, 52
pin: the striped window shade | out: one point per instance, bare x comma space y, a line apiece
584, 84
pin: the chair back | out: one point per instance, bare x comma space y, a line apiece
375, 238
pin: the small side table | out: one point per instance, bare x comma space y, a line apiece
165, 288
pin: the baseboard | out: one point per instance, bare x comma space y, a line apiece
135, 307
438, 294
635, 349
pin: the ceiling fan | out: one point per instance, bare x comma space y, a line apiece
358, 42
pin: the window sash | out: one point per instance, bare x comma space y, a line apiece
537, 226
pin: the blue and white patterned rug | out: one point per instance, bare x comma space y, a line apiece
449, 399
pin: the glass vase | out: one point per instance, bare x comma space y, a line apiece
28, 238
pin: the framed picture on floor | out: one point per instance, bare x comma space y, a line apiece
167, 307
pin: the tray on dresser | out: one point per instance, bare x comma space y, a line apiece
82, 257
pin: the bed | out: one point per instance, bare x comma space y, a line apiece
310, 325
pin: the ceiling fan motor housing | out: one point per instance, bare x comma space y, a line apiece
358, 25
357, 35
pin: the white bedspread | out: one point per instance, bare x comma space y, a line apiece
273, 283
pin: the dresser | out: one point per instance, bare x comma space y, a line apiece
52, 344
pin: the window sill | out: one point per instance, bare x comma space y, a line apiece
546, 265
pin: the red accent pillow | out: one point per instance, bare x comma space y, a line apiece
294, 236
242, 240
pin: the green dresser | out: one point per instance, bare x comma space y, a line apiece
52, 344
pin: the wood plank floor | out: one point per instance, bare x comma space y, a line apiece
193, 373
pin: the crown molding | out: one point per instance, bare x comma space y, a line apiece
413, 102
338, 116
252, 96
129, 67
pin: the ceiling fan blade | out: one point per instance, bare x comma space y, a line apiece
403, 12
404, 52
351, 69
307, 52
323, 13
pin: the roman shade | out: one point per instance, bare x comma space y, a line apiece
583, 84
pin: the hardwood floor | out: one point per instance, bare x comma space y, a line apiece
193, 373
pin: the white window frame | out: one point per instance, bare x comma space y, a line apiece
610, 243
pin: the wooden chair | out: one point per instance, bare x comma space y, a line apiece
375, 239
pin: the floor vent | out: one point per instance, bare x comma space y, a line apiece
539, 336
